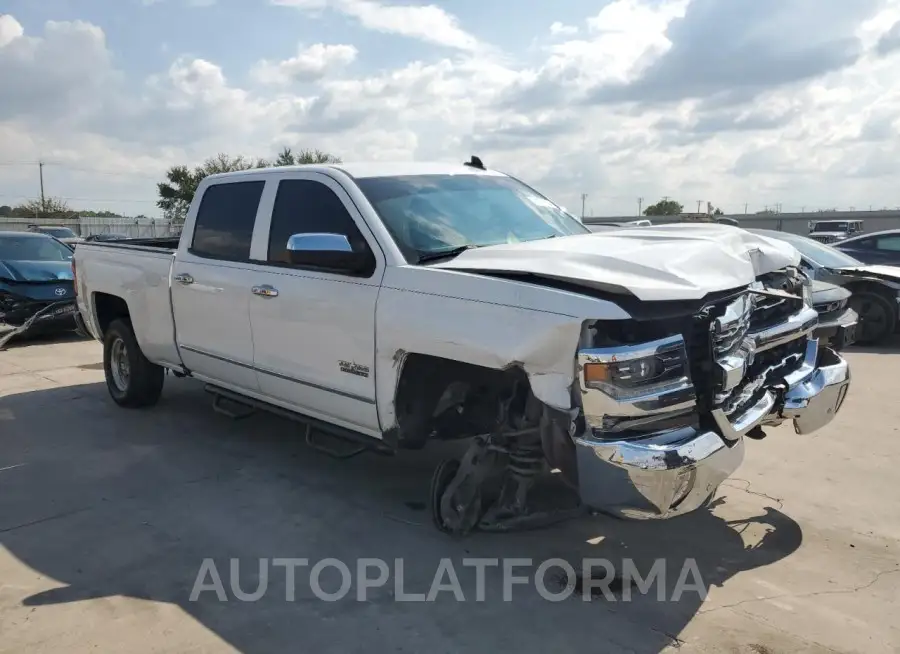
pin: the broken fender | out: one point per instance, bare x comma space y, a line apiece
445, 314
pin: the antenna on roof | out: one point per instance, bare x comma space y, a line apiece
475, 162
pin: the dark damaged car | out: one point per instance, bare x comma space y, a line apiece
37, 292
875, 289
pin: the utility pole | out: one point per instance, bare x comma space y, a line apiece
41, 173
745, 208
699, 202
583, 198
640, 206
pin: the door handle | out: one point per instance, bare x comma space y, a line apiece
265, 291
183, 278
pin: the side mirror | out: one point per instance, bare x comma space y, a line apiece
329, 252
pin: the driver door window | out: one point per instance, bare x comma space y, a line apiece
304, 206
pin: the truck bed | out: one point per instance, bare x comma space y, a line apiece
134, 272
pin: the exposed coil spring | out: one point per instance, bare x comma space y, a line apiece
526, 461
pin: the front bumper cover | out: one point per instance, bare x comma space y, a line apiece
676, 471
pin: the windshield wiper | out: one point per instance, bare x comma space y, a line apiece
448, 253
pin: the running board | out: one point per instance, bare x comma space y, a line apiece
352, 443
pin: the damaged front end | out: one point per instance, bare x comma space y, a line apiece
24, 315
666, 404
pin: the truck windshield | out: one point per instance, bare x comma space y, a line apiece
428, 214
831, 227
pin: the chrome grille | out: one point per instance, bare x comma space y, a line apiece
730, 329
746, 358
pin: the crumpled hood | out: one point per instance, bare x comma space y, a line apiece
890, 272
887, 271
35, 271
668, 262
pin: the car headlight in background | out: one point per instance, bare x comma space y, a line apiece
807, 293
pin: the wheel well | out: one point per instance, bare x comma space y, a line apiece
108, 308
874, 288
446, 399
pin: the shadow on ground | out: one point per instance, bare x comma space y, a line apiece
38, 337
112, 502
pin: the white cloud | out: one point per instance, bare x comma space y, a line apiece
558, 29
10, 29
428, 23
309, 64
822, 136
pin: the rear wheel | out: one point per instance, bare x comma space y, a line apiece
877, 317
133, 381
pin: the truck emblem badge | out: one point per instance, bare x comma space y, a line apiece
354, 368
60, 291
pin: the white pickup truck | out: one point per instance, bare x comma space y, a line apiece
394, 305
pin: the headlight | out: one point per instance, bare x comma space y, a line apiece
807, 293
628, 372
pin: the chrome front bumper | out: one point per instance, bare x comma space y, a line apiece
675, 472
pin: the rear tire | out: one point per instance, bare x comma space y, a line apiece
133, 381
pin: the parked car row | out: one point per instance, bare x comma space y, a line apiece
875, 289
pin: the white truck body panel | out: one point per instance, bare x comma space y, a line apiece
140, 277
261, 347
671, 316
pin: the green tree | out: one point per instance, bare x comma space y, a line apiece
6, 211
177, 192
288, 157
43, 208
664, 208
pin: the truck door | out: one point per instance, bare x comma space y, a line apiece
314, 328
210, 285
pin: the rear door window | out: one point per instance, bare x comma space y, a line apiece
225, 219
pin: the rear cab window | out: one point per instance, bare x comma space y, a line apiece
223, 228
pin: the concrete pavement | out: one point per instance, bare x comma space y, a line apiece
106, 516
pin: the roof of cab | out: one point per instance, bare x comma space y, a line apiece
364, 169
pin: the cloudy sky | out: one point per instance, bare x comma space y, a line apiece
737, 102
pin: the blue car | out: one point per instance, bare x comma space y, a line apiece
37, 290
